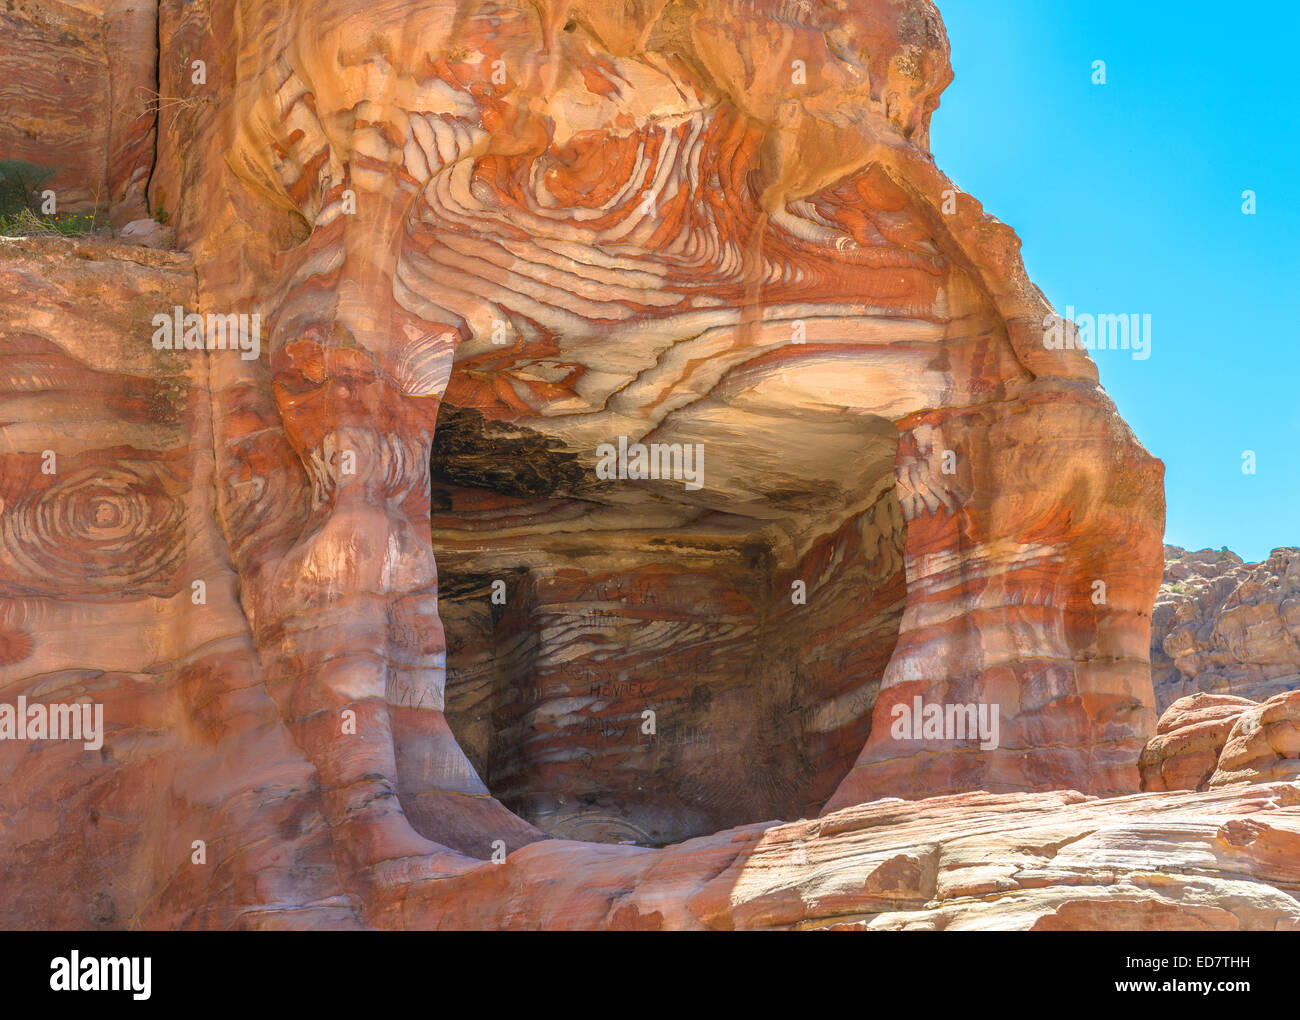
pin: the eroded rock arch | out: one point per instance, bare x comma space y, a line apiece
551, 225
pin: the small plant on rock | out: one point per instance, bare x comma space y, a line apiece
20, 208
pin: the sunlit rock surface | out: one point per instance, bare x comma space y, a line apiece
481, 242
1184, 753
1223, 626
1227, 859
1208, 740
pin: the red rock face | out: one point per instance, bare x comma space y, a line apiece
118, 592
481, 244
79, 99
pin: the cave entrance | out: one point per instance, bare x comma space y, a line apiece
634, 661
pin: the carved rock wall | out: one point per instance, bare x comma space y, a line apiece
481, 241
116, 589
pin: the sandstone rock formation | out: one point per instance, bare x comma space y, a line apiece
1184, 753
667, 304
362, 607
1208, 740
78, 87
107, 523
1227, 859
1264, 743
1223, 626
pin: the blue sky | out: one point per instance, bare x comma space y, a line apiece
1127, 197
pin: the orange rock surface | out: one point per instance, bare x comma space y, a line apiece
1264, 743
1208, 740
1184, 753
79, 96
443, 664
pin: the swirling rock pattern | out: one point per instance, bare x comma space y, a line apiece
483, 240
108, 521
662, 250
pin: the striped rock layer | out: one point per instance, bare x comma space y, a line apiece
481, 240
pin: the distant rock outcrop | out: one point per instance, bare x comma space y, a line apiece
1223, 626
1263, 744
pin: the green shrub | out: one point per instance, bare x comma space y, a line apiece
19, 180
19, 205
28, 224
